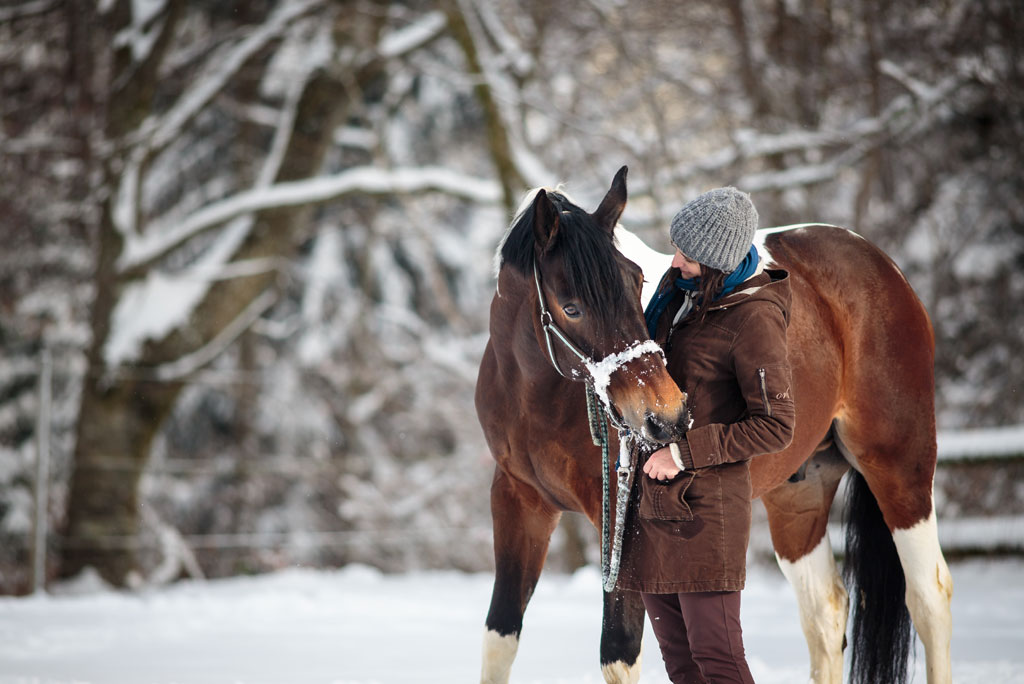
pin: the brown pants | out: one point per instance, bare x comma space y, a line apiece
700, 636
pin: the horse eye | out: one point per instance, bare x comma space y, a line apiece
572, 311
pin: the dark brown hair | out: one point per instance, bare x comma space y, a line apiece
711, 282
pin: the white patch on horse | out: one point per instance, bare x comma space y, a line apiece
763, 233
929, 592
652, 262
620, 673
499, 652
824, 605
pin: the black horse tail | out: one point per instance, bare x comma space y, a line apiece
882, 631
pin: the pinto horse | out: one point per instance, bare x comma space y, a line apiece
861, 348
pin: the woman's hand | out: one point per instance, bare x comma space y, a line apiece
660, 465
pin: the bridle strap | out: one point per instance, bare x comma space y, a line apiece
550, 328
547, 323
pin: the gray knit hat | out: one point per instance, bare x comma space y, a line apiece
716, 229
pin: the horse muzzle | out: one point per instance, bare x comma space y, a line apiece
649, 401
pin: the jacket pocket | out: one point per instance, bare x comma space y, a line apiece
666, 500
762, 375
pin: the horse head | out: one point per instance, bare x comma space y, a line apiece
588, 318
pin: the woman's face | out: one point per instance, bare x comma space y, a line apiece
688, 267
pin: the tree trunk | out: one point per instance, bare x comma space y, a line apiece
512, 183
122, 412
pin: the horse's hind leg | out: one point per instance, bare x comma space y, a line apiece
523, 523
798, 518
929, 591
903, 492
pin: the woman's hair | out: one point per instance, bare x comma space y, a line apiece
711, 282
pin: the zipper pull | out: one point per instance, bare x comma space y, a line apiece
764, 391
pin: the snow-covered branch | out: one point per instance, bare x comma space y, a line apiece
363, 180
858, 138
144, 30
27, 9
158, 132
917, 88
187, 365
403, 41
151, 307
512, 52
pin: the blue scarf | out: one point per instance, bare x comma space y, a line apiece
660, 301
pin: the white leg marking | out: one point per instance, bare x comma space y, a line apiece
499, 652
620, 673
929, 591
823, 609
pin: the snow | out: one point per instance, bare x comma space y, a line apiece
136, 35
306, 47
149, 309
601, 371
153, 307
325, 272
357, 626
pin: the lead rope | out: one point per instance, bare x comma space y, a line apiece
611, 553
599, 435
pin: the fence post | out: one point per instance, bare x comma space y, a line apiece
40, 519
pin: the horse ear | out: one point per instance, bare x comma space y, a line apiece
545, 222
608, 213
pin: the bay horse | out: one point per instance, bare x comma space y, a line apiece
861, 348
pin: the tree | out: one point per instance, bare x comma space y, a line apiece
221, 258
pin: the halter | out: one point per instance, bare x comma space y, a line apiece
608, 364
550, 328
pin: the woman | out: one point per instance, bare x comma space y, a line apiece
721, 318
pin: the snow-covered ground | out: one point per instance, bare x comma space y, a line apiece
356, 626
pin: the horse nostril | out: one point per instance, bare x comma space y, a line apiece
655, 430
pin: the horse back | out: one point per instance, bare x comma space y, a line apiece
861, 348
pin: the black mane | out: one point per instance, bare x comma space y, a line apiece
588, 255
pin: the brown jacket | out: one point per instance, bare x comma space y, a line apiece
691, 533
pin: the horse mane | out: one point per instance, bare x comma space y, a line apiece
588, 253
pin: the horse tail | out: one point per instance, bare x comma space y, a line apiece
882, 634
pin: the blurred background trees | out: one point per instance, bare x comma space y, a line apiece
256, 237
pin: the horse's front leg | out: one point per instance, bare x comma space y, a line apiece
523, 523
621, 634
